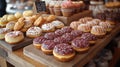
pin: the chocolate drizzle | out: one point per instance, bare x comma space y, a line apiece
89, 36
80, 43
39, 40
48, 44
50, 35
63, 49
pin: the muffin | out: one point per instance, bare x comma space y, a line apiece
67, 8
51, 7
37, 42
63, 52
80, 45
48, 46
57, 9
98, 31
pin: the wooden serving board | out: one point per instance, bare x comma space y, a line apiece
80, 59
3, 52
12, 47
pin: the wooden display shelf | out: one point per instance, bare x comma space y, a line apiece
80, 59
75, 17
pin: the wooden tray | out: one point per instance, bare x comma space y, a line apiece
25, 42
3, 53
80, 59
75, 17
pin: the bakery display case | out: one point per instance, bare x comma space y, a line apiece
60, 33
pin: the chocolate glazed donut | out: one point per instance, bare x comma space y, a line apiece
63, 52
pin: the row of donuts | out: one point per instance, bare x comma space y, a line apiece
64, 42
94, 26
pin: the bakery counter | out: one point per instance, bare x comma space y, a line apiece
18, 59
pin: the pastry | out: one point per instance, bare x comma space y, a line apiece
11, 18
63, 52
48, 27
66, 29
84, 20
3, 22
37, 42
96, 21
3, 31
18, 15
51, 18
58, 24
76, 33
106, 26
60, 40
92, 23
57, 9
80, 45
90, 37
10, 25
50, 36
68, 37
59, 32
34, 32
48, 46
39, 21
35, 16
51, 7
19, 24
75, 24
14, 37
27, 13
67, 8
99, 31
84, 27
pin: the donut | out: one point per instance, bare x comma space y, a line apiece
106, 26
10, 25
48, 46
37, 42
40, 20
84, 27
14, 37
90, 37
60, 40
76, 33
48, 27
68, 37
98, 31
59, 32
74, 25
50, 36
80, 45
58, 24
67, 29
63, 52
33, 32
3, 31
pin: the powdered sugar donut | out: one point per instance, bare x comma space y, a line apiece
33, 32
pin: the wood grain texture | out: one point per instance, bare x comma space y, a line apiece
10, 47
80, 59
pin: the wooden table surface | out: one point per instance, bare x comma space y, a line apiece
18, 59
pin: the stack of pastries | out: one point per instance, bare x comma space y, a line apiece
64, 42
14, 26
94, 26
